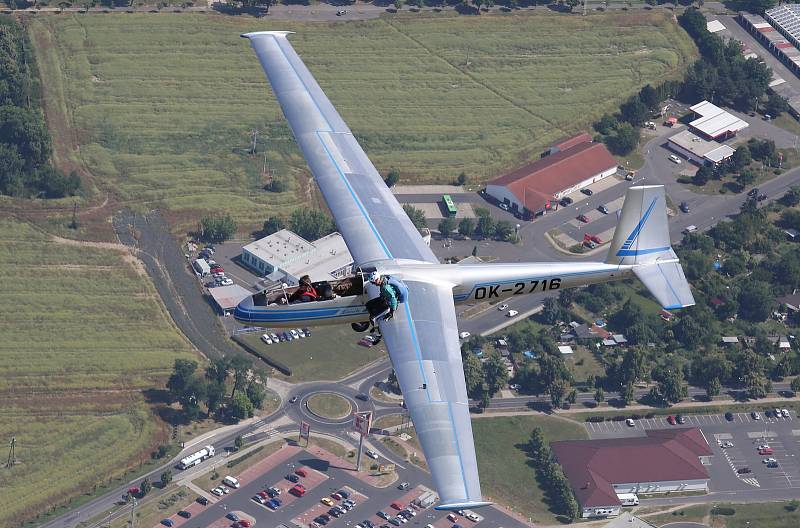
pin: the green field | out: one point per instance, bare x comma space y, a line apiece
506, 476
166, 118
331, 353
329, 405
83, 335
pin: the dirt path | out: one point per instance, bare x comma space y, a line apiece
124, 251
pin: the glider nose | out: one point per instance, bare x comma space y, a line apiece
244, 309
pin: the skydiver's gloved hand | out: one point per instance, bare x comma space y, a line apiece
389, 315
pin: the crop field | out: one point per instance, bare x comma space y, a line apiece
506, 473
83, 335
167, 117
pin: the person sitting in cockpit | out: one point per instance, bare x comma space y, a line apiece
305, 291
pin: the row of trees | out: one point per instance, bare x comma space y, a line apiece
484, 378
217, 228
194, 389
25, 146
482, 227
310, 224
551, 476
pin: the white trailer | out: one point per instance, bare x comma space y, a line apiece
201, 267
196, 458
628, 499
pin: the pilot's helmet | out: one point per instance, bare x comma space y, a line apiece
375, 277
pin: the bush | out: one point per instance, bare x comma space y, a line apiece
723, 510
595, 419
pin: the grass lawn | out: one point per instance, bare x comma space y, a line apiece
151, 512
766, 515
506, 476
83, 336
166, 119
694, 513
389, 420
332, 447
584, 364
330, 353
329, 405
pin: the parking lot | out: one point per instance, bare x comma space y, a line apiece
738, 467
324, 477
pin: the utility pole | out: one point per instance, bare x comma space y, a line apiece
12, 455
360, 450
132, 522
584, 7
254, 133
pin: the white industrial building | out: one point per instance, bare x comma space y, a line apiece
715, 123
285, 257
699, 150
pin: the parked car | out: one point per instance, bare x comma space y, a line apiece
326, 501
785, 413
298, 490
603, 209
452, 517
232, 516
202, 500
583, 218
587, 191
753, 192
472, 517
744, 470
266, 338
217, 491
383, 515
729, 416
629, 422
167, 522
503, 307
768, 460
294, 333
684, 207
292, 478
403, 486
726, 444
464, 335
301, 472
565, 201
372, 454
766, 451
674, 159
671, 420
185, 514
225, 282
772, 464
512, 313
504, 206
755, 416
681, 419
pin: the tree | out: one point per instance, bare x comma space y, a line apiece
466, 227
215, 394
25, 130
792, 197
238, 442
495, 373
504, 230
240, 407
462, 178
217, 228
182, 373
703, 175
473, 374
486, 398
713, 388
255, 392
599, 395
278, 186
649, 96
273, 224
627, 393
634, 111
416, 215
741, 158
217, 370
392, 178
485, 227
624, 140
392, 383
145, 486
746, 177
166, 478
671, 386
607, 124
755, 301
538, 448
241, 366
795, 385
446, 226
311, 224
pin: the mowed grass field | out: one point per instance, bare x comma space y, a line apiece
83, 335
506, 475
164, 103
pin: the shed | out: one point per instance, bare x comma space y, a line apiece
792, 233
783, 343
609, 342
619, 339
565, 349
730, 340
228, 297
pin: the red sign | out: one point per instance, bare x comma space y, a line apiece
305, 430
362, 421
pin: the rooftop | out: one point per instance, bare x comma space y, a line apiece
227, 297
594, 466
568, 143
714, 121
787, 18
702, 148
297, 256
537, 183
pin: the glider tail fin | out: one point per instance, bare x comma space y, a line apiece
642, 240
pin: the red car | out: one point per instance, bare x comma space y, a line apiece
217, 269
244, 523
671, 419
298, 490
767, 451
584, 219
301, 472
336, 496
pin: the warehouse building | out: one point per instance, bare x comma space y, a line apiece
714, 123
699, 150
285, 257
666, 460
786, 19
571, 165
772, 39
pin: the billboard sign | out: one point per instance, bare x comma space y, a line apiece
305, 430
362, 421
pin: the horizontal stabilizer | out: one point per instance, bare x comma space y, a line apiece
462, 505
667, 283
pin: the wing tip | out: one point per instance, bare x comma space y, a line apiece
254, 34
462, 505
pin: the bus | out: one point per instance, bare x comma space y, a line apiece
449, 206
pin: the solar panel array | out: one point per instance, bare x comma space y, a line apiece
786, 19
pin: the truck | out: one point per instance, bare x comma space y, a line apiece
628, 499
197, 457
231, 482
425, 500
201, 267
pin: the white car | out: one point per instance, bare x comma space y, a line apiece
464, 335
674, 159
629, 422
267, 339
225, 282
762, 447
225, 490
217, 492
514, 386
372, 454
294, 334
785, 413
503, 307
300, 332
472, 517
274, 338
512, 313
726, 444
769, 460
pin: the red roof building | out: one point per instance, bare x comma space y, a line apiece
572, 164
666, 460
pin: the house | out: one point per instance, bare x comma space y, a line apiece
730, 340
792, 302
565, 350
608, 342
665, 460
619, 339
227, 298
715, 123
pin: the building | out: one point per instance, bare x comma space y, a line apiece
775, 42
573, 164
666, 460
786, 19
699, 150
285, 257
226, 298
713, 122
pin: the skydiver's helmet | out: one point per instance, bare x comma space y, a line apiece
375, 278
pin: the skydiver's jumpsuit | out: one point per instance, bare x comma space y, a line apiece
392, 292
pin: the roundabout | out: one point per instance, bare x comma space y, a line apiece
329, 406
